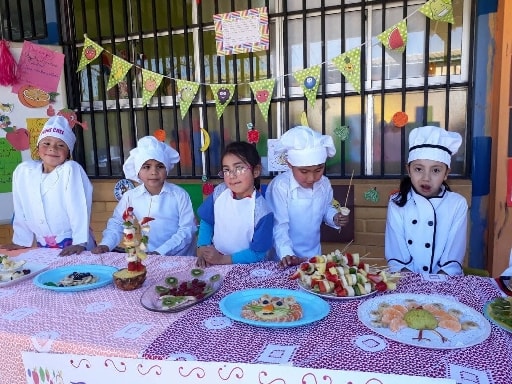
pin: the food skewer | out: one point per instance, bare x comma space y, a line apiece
348, 191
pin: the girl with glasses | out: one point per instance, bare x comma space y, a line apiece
236, 222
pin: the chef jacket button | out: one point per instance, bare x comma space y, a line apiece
430, 223
415, 221
425, 268
427, 245
409, 242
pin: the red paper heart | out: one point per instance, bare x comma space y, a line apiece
19, 139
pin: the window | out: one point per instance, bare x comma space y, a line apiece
23, 20
430, 81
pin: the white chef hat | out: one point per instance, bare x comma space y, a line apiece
58, 127
305, 147
433, 143
149, 148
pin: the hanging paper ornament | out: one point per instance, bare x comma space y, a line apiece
440, 10
349, 64
309, 82
187, 92
304, 119
8, 65
400, 119
395, 38
342, 131
372, 195
262, 90
253, 135
222, 93
204, 178
160, 135
208, 188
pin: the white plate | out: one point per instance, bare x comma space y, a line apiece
368, 310
333, 296
34, 268
14, 267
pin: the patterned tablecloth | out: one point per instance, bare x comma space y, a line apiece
109, 322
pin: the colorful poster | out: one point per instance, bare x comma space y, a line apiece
39, 66
241, 31
276, 161
9, 159
34, 127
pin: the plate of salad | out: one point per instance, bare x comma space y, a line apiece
499, 311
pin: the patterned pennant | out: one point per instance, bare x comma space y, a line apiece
150, 82
395, 38
90, 52
263, 90
342, 131
117, 71
222, 93
309, 79
440, 10
349, 64
187, 91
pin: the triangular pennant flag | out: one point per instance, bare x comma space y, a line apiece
150, 82
395, 38
263, 90
90, 52
187, 91
222, 93
117, 71
309, 79
349, 64
440, 10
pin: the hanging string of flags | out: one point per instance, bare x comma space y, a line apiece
348, 63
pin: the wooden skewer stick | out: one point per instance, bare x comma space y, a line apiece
365, 255
349, 185
348, 245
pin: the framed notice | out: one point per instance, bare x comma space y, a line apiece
241, 31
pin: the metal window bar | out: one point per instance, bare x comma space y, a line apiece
18, 20
227, 70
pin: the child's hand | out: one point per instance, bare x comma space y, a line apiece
289, 261
212, 256
340, 220
72, 249
12, 247
201, 262
100, 249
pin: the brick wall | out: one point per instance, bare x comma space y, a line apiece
370, 218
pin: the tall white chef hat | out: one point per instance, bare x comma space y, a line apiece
433, 143
305, 147
149, 148
58, 127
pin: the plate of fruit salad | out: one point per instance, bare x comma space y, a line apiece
181, 290
342, 276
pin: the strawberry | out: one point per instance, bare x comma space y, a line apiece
381, 286
395, 40
296, 275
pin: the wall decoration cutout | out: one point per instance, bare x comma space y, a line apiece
19, 139
263, 90
90, 52
222, 93
121, 187
276, 162
342, 132
372, 195
241, 31
253, 135
150, 82
34, 127
349, 64
9, 160
440, 10
118, 71
395, 38
187, 91
309, 80
400, 119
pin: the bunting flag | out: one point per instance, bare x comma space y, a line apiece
395, 38
117, 71
222, 93
440, 10
90, 52
309, 79
349, 64
263, 90
150, 82
187, 90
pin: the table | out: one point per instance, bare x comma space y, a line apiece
110, 322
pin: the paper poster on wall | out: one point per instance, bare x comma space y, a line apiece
34, 127
40, 67
241, 31
9, 159
276, 161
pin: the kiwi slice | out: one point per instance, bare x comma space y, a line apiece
172, 281
215, 277
161, 289
196, 272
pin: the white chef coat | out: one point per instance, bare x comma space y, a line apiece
298, 214
427, 235
55, 205
174, 228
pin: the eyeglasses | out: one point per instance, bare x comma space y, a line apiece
237, 171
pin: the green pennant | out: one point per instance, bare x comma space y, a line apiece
349, 64
117, 71
440, 10
150, 82
309, 79
222, 93
395, 38
187, 90
263, 90
90, 52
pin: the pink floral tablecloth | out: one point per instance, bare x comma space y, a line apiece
110, 322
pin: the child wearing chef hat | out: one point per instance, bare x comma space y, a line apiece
301, 198
173, 228
55, 214
426, 222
